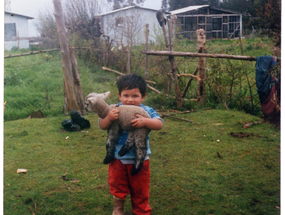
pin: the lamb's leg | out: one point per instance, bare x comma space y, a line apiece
141, 148
128, 144
113, 135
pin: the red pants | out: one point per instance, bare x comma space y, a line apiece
121, 183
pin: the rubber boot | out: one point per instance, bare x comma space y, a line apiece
68, 125
118, 206
78, 119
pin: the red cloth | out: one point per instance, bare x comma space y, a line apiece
270, 105
121, 183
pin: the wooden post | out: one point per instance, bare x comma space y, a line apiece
173, 63
65, 57
128, 49
189, 83
146, 48
165, 36
18, 38
76, 81
65, 107
201, 39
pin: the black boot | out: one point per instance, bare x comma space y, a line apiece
68, 125
79, 119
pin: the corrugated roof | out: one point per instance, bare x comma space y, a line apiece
187, 9
127, 8
12, 14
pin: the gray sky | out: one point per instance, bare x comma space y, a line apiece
34, 7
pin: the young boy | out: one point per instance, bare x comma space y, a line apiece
132, 91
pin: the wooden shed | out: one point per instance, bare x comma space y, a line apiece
16, 25
217, 23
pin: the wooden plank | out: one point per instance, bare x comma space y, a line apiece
191, 54
41, 51
146, 48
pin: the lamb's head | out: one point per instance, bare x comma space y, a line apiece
100, 95
94, 102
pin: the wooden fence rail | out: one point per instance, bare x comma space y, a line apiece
38, 52
192, 54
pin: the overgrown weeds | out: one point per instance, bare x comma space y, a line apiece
230, 83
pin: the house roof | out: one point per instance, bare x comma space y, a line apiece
128, 8
187, 9
16, 14
196, 7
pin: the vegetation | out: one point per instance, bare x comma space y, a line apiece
35, 82
214, 166
195, 168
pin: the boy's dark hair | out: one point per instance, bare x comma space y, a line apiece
132, 81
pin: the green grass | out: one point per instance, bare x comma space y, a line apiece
187, 176
36, 83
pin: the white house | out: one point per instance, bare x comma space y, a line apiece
16, 25
130, 22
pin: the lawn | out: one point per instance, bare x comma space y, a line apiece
214, 166
196, 168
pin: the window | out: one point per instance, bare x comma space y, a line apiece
190, 23
120, 22
201, 19
10, 31
217, 23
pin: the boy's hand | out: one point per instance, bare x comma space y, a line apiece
113, 115
139, 122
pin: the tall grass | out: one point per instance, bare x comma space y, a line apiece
36, 82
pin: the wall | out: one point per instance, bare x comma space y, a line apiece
21, 28
138, 18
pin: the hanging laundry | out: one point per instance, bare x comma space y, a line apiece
266, 85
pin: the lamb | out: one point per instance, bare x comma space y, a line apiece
137, 136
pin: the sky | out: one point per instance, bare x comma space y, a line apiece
34, 7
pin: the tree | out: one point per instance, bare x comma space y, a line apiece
126, 27
46, 26
164, 5
81, 18
117, 4
176, 4
270, 19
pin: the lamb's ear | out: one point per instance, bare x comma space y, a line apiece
90, 95
105, 95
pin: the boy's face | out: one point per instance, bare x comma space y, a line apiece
131, 97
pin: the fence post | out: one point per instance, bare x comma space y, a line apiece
173, 63
66, 62
201, 39
146, 48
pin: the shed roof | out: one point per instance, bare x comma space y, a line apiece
127, 8
197, 7
16, 14
187, 9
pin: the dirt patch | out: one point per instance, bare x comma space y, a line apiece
37, 114
244, 134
